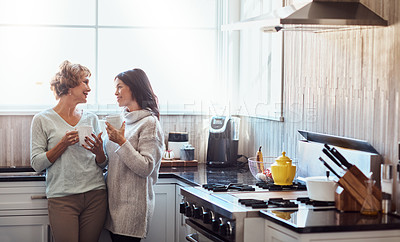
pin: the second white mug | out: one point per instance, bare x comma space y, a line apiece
115, 121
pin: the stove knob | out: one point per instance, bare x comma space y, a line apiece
216, 224
189, 210
226, 229
208, 217
198, 212
229, 228
182, 207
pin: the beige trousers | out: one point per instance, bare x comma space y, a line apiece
79, 217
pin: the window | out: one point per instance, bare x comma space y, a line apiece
258, 90
176, 42
35, 39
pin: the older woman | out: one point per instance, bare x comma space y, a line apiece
77, 199
134, 152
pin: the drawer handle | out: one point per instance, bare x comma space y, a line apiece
38, 197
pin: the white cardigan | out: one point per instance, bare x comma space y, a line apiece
132, 173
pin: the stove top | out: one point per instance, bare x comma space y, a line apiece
260, 196
283, 203
270, 186
296, 186
272, 202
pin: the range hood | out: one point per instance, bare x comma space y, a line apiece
323, 15
315, 16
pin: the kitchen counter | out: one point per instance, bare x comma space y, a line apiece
317, 221
202, 174
197, 175
20, 174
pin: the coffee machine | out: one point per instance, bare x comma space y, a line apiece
222, 150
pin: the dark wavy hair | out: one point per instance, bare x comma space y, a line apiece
141, 89
67, 77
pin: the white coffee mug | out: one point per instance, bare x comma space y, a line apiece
84, 131
115, 121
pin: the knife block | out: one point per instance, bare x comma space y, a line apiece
345, 202
355, 191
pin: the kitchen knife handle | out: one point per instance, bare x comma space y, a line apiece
326, 152
341, 158
329, 167
327, 147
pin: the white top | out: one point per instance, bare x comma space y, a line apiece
76, 170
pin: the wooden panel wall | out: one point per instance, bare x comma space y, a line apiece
15, 140
257, 132
346, 82
197, 127
342, 83
15, 133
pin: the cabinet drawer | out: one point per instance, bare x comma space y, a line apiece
24, 228
22, 197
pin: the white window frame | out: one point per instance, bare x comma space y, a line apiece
109, 108
232, 27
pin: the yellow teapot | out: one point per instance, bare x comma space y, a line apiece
283, 171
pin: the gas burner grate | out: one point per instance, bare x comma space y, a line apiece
254, 203
272, 187
271, 203
229, 187
282, 203
315, 203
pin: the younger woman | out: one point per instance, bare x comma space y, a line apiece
134, 153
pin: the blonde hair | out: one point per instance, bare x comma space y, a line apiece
67, 77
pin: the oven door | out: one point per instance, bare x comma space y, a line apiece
196, 237
200, 234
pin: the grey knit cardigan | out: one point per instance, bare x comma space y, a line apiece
132, 172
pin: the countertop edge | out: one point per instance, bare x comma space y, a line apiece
43, 178
22, 178
327, 229
175, 176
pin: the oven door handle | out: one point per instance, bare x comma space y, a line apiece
202, 231
192, 237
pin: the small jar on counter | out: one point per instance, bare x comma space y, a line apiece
187, 152
386, 203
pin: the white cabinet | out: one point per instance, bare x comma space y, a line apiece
24, 216
274, 235
181, 230
277, 233
163, 223
23, 212
167, 224
162, 226
24, 228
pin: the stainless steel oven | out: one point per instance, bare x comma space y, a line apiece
212, 218
203, 236
225, 214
